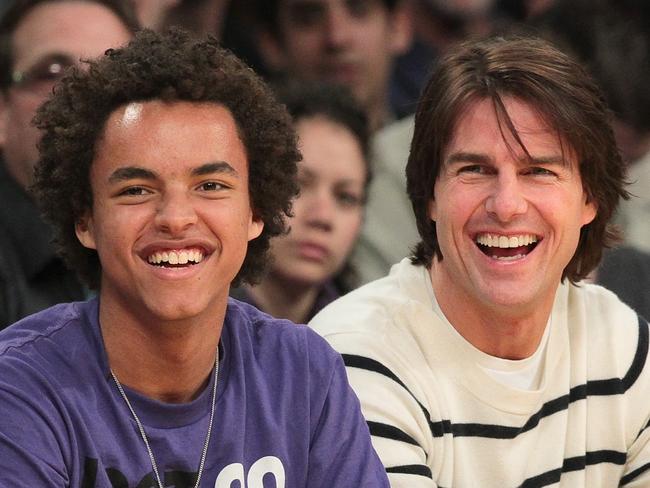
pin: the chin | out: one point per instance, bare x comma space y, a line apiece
173, 312
512, 300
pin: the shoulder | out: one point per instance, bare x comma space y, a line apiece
43, 328
380, 328
44, 351
600, 307
613, 335
602, 312
380, 305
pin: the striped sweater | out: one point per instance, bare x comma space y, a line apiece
439, 420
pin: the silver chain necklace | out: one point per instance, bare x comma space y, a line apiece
144, 436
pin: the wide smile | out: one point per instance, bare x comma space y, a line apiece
176, 258
507, 247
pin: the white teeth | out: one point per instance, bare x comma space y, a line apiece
176, 257
504, 242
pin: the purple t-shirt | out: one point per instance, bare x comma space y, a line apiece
285, 414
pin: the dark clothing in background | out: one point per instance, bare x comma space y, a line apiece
32, 276
626, 271
327, 295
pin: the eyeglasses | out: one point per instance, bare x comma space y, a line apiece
40, 78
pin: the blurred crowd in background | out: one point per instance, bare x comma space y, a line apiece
381, 52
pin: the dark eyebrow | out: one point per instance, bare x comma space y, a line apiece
465, 157
216, 167
130, 173
135, 172
546, 160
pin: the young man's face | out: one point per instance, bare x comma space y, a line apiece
507, 226
51, 37
171, 216
351, 42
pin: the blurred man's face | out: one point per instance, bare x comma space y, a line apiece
351, 42
50, 38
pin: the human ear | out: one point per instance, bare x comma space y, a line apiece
432, 209
84, 229
255, 227
589, 211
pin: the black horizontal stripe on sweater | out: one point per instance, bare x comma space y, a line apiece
604, 387
577, 463
379, 429
416, 469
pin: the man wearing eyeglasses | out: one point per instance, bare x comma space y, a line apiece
39, 40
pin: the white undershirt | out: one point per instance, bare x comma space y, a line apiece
523, 374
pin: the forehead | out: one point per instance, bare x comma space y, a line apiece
76, 28
482, 127
170, 136
330, 147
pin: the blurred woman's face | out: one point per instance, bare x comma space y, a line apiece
329, 210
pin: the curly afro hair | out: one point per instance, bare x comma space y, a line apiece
169, 67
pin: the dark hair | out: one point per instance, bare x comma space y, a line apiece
168, 67
305, 100
267, 12
18, 10
537, 73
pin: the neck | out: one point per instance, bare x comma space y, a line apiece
170, 362
502, 331
284, 300
378, 113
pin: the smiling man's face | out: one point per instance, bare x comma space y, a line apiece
507, 225
171, 216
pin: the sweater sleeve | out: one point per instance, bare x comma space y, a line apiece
399, 423
341, 453
636, 472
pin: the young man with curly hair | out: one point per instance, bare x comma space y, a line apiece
165, 169
483, 361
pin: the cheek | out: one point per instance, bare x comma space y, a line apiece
303, 48
349, 226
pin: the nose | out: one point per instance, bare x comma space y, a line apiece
175, 213
320, 210
506, 200
338, 28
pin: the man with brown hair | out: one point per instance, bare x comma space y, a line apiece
483, 360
